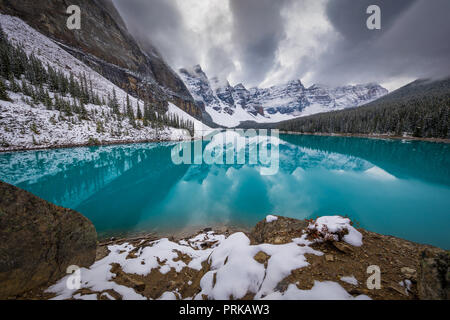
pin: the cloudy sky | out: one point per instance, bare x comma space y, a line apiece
269, 42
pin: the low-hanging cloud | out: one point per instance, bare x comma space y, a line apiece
267, 42
160, 23
258, 29
412, 43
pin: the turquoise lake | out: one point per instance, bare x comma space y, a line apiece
394, 187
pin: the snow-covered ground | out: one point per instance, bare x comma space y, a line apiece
233, 271
25, 127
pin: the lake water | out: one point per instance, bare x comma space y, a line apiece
399, 188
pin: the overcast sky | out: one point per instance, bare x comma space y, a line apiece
269, 42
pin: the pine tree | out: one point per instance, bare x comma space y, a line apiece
139, 113
114, 104
3, 93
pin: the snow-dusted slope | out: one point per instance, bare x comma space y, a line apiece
228, 105
23, 126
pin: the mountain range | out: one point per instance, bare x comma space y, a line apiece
230, 105
105, 53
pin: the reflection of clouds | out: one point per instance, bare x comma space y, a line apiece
224, 193
239, 139
244, 147
292, 157
247, 149
290, 194
196, 201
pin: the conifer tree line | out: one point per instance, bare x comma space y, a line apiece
24, 73
420, 109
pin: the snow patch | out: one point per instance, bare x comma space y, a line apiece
326, 290
332, 227
233, 270
350, 279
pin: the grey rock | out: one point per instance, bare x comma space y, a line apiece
433, 275
39, 240
279, 231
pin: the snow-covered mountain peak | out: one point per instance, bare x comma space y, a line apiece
195, 71
228, 105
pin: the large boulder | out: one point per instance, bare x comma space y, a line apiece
39, 240
433, 279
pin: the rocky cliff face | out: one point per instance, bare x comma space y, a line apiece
39, 240
229, 105
104, 43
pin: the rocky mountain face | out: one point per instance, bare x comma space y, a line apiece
104, 44
223, 101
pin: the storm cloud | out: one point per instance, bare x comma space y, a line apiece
412, 43
258, 29
267, 42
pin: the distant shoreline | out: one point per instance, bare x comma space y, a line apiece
371, 136
107, 143
86, 144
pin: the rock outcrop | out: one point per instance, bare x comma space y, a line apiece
281, 230
433, 282
39, 240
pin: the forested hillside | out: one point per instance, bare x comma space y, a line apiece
57, 91
48, 98
419, 109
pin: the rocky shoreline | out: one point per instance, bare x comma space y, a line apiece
285, 258
409, 271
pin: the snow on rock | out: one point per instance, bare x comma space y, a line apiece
335, 228
350, 279
107, 296
407, 285
233, 271
228, 106
271, 218
168, 296
99, 278
327, 290
228, 278
85, 297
